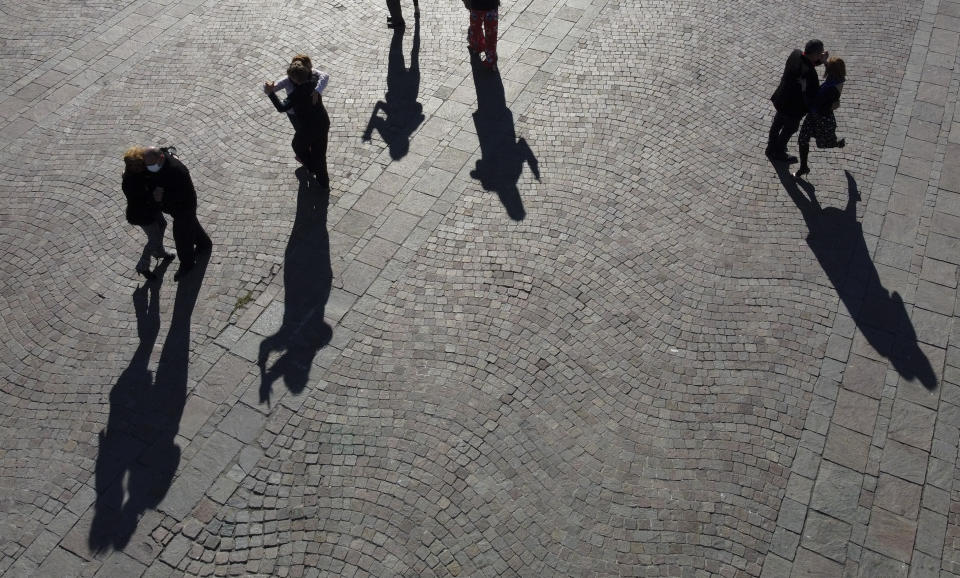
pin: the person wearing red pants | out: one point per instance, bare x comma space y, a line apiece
482, 34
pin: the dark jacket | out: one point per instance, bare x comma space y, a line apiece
791, 97
310, 117
828, 94
482, 4
179, 196
142, 209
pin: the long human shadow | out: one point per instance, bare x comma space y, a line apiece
137, 456
501, 155
836, 239
403, 112
307, 276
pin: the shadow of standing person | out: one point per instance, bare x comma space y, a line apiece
836, 239
403, 112
501, 155
137, 457
307, 276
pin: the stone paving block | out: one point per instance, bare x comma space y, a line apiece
270, 321
810, 564
924, 566
898, 496
357, 277
119, 564
855, 411
931, 530
226, 376
847, 448
242, 423
873, 564
904, 461
837, 491
891, 534
63, 563
911, 424
864, 376
826, 536
950, 173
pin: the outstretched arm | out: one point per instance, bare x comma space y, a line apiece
280, 106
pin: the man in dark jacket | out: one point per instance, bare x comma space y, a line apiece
798, 87
173, 189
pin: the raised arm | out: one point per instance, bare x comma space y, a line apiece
322, 79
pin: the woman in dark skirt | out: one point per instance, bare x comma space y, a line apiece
820, 124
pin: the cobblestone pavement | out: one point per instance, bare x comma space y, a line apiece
559, 320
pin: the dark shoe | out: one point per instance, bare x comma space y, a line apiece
841, 143
181, 272
790, 159
803, 170
148, 274
167, 256
397, 25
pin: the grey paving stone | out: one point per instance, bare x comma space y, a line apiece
891, 534
911, 424
826, 536
837, 491
898, 496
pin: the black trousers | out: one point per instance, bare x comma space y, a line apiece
394, 7
189, 237
781, 130
312, 149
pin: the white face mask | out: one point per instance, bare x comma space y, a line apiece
154, 168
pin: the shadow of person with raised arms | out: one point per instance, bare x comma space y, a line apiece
307, 276
403, 112
501, 155
137, 457
836, 239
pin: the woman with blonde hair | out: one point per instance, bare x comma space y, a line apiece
820, 123
143, 210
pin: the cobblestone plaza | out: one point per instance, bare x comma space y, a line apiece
559, 319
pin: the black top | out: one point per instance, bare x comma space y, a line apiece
179, 196
791, 97
142, 209
828, 94
482, 4
309, 116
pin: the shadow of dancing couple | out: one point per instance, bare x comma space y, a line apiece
837, 240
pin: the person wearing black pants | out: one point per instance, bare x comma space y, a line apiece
797, 89
310, 142
395, 20
173, 189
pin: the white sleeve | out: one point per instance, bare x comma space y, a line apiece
284, 84
322, 81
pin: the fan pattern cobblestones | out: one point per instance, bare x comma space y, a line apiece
659, 371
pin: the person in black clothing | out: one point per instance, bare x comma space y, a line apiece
395, 20
143, 210
310, 144
820, 122
797, 89
173, 189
